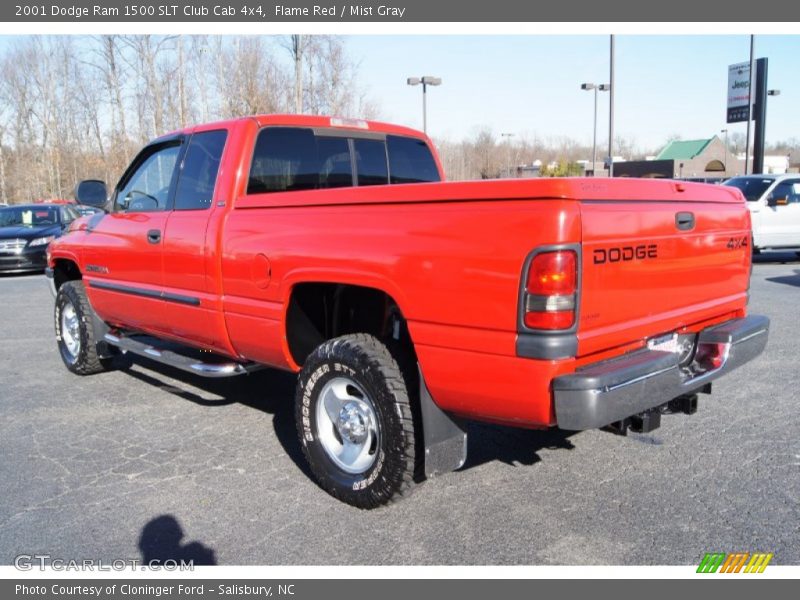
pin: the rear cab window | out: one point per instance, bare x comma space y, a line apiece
297, 158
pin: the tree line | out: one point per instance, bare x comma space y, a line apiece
73, 107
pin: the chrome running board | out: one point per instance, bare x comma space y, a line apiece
179, 361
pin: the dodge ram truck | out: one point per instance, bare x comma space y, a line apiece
407, 305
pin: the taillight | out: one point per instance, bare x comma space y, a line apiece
550, 290
711, 356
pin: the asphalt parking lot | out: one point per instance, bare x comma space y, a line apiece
148, 461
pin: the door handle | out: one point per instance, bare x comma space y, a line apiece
684, 221
154, 236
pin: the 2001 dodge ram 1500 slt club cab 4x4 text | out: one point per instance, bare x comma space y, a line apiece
332, 247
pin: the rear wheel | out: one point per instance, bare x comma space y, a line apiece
355, 422
75, 332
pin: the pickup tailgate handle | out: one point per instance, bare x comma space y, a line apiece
684, 221
154, 236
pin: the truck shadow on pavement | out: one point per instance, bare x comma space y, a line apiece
272, 391
160, 544
787, 279
267, 390
511, 445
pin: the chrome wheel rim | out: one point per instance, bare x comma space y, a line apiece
70, 330
347, 426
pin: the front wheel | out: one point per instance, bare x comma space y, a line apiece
75, 331
354, 421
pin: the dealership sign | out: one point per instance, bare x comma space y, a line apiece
738, 92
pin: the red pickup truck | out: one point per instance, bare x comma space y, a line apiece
332, 248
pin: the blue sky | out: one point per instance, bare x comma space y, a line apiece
530, 84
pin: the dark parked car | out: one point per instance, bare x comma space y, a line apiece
25, 232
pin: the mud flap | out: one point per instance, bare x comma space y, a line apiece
445, 436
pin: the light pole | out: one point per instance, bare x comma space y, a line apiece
725, 131
611, 88
751, 98
761, 115
603, 87
425, 80
508, 137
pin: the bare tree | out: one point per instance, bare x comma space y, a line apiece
3, 192
250, 81
297, 46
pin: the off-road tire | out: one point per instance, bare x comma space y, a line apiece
86, 360
367, 362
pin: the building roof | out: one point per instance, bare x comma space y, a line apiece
683, 149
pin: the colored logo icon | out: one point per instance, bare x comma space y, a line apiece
738, 562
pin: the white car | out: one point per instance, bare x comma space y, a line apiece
774, 203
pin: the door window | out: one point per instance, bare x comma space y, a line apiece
789, 189
147, 187
198, 176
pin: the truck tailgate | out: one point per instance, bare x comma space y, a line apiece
653, 267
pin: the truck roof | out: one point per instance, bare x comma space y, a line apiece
292, 120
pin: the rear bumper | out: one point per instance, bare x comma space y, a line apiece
609, 391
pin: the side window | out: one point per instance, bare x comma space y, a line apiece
198, 175
788, 189
793, 191
147, 188
410, 160
371, 165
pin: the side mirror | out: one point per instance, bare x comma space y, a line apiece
91, 192
773, 200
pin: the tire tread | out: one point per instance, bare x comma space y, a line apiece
368, 350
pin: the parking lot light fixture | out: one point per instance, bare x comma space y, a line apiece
603, 87
425, 81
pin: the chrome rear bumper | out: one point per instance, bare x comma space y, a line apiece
609, 391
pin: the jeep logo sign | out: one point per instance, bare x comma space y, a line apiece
738, 92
